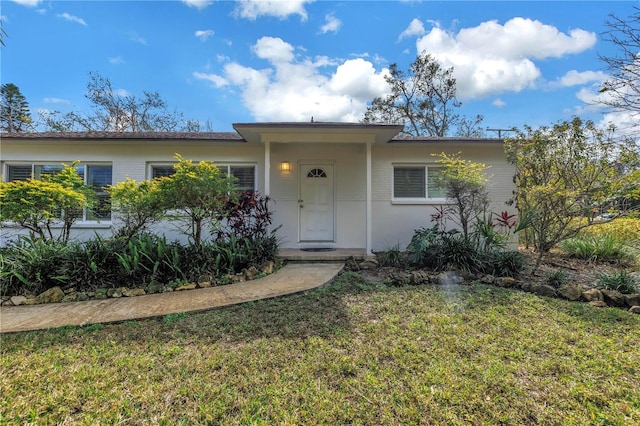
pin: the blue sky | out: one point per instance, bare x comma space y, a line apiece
515, 62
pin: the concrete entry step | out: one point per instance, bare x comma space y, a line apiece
292, 255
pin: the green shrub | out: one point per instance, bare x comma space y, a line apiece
31, 266
445, 250
621, 281
625, 229
605, 247
507, 263
557, 278
393, 257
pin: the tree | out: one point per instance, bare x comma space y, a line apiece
14, 109
423, 99
36, 204
566, 176
196, 195
465, 184
622, 88
137, 205
116, 112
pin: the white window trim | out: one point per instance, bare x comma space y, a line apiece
416, 200
221, 166
81, 223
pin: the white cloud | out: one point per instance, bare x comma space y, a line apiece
492, 58
198, 4
575, 78
415, 28
138, 39
497, 102
56, 101
295, 89
72, 18
121, 92
332, 24
28, 3
116, 60
203, 35
273, 49
217, 80
253, 9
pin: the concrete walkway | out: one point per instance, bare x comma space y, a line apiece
292, 278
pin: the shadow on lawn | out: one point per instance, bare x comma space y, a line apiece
323, 313
320, 312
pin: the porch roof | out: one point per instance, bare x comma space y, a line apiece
331, 132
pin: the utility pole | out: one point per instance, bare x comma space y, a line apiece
513, 129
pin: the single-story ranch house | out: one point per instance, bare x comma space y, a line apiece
333, 185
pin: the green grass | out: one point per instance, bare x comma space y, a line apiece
350, 353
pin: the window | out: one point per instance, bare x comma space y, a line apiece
246, 174
161, 170
418, 182
99, 176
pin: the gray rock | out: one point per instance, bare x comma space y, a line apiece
369, 263
72, 297
268, 267
613, 298
204, 284
632, 299
131, 292
543, 290
82, 296
17, 300
507, 282
31, 300
250, 273
115, 293
592, 295
570, 291
185, 287
419, 278
101, 293
351, 265
634, 309
53, 295
488, 279
598, 303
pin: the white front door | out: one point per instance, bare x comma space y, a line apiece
316, 203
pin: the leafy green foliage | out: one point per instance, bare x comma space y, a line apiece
621, 281
31, 265
14, 108
605, 248
137, 205
36, 204
393, 257
195, 196
465, 181
509, 263
557, 278
565, 171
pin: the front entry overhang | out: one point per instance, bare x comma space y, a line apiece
321, 133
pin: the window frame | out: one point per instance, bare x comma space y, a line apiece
87, 217
224, 168
425, 185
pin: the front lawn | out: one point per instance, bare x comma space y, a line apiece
350, 353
